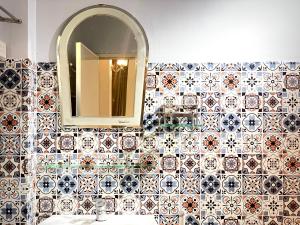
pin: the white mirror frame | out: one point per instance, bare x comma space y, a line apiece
64, 75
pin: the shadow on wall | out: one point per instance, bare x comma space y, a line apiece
53, 44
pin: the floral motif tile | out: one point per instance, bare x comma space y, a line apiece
66, 142
290, 101
108, 184
44, 161
46, 204
66, 205
10, 100
10, 166
252, 184
46, 143
210, 163
210, 205
9, 212
10, 144
10, 122
9, 188
169, 184
87, 184
149, 204
291, 206
190, 163
231, 184
66, 184
46, 122
86, 204
169, 204
232, 206
46, 184
46, 81
129, 204
47, 101
10, 79
108, 142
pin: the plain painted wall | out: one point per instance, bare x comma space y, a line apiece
194, 30
185, 31
15, 35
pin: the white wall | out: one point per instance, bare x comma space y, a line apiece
194, 30
32, 29
185, 31
15, 35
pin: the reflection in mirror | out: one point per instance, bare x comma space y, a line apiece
102, 55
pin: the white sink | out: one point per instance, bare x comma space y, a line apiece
91, 220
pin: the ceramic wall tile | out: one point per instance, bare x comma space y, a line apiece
236, 163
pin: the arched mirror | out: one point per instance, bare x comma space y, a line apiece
102, 55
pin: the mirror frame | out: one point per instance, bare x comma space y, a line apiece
64, 76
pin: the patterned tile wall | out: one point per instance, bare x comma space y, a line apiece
16, 141
240, 166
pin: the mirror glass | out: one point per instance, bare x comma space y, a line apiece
102, 53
